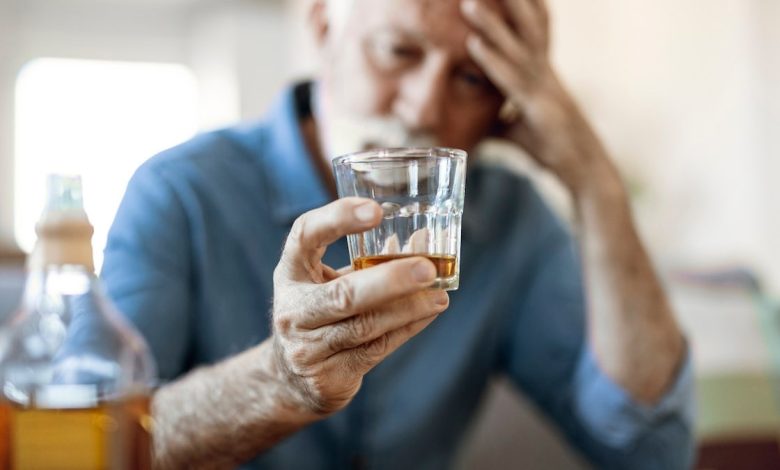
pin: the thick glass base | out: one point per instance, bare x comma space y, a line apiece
446, 283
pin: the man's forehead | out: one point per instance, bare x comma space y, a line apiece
450, 7
443, 8
440, 18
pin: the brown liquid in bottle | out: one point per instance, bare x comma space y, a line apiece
445, 264
112, 435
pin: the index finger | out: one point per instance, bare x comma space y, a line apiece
531, 21
496, 30
312, 232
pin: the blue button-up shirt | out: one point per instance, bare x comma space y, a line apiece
190, 258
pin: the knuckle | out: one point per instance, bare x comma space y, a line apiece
367, 355
296, 238
378, 347
298, 230
334, 339
361, 359
341, 295
362, 325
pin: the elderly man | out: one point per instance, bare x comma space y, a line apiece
194, 261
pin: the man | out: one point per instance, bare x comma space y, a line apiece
193, 259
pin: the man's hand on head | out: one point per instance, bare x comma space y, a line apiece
629, 316
514, 53
331, 328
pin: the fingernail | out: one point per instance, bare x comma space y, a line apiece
469, 7
365, 212
441, 298
424, 271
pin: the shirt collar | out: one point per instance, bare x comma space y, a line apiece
295, 185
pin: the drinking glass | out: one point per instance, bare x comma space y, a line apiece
420, 191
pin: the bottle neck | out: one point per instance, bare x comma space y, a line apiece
61, 264
63, 241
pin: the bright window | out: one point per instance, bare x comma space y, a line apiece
98, 119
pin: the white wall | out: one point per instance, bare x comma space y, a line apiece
242, 52
677, 89
92, 30
768, 40
8, 41
237, 48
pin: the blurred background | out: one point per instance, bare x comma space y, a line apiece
686, 94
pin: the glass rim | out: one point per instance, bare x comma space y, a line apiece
399, 153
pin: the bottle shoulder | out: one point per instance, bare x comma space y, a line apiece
67, 332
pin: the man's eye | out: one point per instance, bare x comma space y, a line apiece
391, 55
474, 80
471, 84
403, 51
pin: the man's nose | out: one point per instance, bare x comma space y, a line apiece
421, 100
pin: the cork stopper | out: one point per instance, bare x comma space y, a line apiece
64, 231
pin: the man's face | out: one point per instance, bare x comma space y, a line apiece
397, 73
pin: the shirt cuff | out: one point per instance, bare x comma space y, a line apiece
614, 418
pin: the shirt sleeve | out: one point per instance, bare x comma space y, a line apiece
607, 410
146, 267
546, 356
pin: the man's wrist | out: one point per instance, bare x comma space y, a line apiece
287, 402
245, 395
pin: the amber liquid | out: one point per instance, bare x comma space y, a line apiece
445, 264
113, 435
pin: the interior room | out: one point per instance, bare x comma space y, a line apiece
685, 97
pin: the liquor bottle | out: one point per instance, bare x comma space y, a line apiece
76, 377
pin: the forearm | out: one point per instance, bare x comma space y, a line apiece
632, 330
633, 333
222, 415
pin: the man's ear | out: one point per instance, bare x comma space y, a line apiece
318, 20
